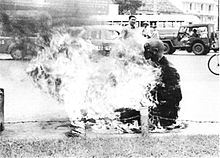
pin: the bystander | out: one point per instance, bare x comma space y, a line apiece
146, 32
155, 33
129, 29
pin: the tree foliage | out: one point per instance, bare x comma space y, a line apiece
24, 23
128, 6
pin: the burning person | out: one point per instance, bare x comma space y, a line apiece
167, 95
164, 96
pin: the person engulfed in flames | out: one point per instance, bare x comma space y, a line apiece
165, 96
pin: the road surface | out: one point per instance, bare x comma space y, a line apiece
200, 88
23, 100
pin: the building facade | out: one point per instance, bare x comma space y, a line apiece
206, 11
152, 7
85, 7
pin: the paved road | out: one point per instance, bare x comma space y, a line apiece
23, 101
200, 88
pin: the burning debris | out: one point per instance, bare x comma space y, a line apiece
91, 85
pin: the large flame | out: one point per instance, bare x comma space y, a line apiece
89, 83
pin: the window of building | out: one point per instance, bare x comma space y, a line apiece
190, 6
201, 6
210, 7
197, 6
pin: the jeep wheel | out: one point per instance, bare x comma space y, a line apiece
216, 50
207, 50
17, 54
189, 50
198, 49
168, 49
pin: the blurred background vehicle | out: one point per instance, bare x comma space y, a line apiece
206, 39
102, 36
18, 47
19, 31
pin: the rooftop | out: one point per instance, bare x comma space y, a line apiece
163, 6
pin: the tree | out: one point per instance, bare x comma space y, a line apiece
25, 23
128, 6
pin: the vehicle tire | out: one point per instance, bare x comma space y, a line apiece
173, 50
216, 50
189, 50
207, 50
168, 49
198, 48
17, 53
213, 64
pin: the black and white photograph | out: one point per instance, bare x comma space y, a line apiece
109, 78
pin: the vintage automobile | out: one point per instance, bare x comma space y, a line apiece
5, 43
196, 38
17, 47
20, 30
102, 36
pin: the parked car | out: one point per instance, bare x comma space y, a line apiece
19, 31
101, 36
196, 38
5, 42
17, 47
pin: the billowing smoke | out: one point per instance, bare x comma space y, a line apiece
91, 84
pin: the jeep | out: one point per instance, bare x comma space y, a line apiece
196, 38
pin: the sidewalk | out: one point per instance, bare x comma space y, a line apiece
49, 130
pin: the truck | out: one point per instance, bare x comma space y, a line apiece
18, 48
196, 38
20, 30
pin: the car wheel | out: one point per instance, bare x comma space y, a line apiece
215, 50
17, 53
198, 48
168, 49
207, 50
189, 50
